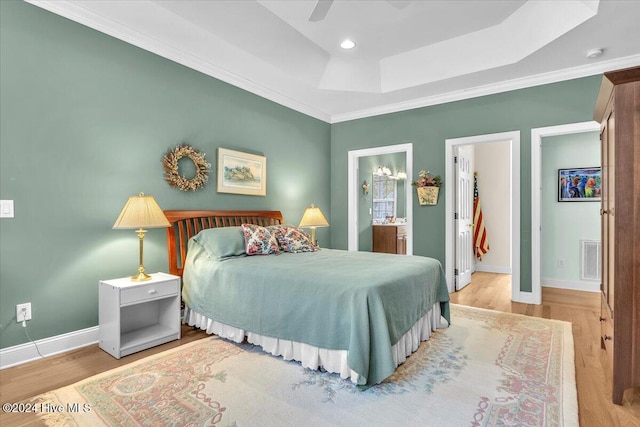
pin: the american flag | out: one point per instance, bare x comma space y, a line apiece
480, 242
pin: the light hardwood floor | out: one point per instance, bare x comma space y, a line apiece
487, 290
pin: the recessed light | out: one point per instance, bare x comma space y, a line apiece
348, 44
594, 53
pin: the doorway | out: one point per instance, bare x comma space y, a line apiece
382, 198
537, 135
354, 188
451, 146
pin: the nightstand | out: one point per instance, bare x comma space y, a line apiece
135, 316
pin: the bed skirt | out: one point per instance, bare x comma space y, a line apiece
313, 357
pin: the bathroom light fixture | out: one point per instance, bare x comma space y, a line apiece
382, 170
347, 44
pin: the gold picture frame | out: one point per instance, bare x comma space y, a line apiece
241, 173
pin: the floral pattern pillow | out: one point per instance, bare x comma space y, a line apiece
259, 241
292, 239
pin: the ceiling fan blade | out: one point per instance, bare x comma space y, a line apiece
320, 11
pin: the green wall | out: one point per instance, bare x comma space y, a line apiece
564, 224
428, 128
85, 120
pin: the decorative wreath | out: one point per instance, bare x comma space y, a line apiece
171, 175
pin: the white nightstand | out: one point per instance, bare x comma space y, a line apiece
134, 316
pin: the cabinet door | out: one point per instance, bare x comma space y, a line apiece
384, 239
607, 230
611, 209
401, 237
604, 210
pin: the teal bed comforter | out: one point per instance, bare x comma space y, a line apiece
361, 302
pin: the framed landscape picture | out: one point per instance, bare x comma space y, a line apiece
579, 184
241, 173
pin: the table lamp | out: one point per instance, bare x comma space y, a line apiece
141, 212
313, 218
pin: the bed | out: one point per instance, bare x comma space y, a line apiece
358, 314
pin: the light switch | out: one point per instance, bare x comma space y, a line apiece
6, 208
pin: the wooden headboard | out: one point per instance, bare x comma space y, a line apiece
186, 224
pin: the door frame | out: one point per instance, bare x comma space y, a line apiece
354, 189
536, 184
513, 138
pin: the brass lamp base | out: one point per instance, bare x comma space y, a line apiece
140, 277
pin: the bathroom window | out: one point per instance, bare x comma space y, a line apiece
385, 191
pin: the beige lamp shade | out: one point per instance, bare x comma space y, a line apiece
141, 212
313, 218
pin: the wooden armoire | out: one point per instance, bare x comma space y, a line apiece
618, 111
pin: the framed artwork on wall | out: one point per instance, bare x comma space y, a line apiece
579, 184
241, 173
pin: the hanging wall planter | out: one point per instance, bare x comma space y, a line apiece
428, 187
428, 195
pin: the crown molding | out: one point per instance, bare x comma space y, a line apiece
82, 15
491, 89
76, 12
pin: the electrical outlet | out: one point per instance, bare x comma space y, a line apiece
23, 312
560, 262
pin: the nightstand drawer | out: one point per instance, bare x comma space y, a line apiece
148, 292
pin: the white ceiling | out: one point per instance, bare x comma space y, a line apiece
408, 54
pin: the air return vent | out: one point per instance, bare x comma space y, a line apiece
590, 259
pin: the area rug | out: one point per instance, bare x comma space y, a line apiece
486, 369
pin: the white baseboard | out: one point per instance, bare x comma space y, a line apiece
493, 268
524, 298
576, 285
23, 353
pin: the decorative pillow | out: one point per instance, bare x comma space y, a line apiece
259, 241
278, 230
223, 242
292, 239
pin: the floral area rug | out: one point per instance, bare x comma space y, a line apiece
486, 369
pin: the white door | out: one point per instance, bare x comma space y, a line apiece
464, 217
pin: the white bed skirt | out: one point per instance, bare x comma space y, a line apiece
314, 357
